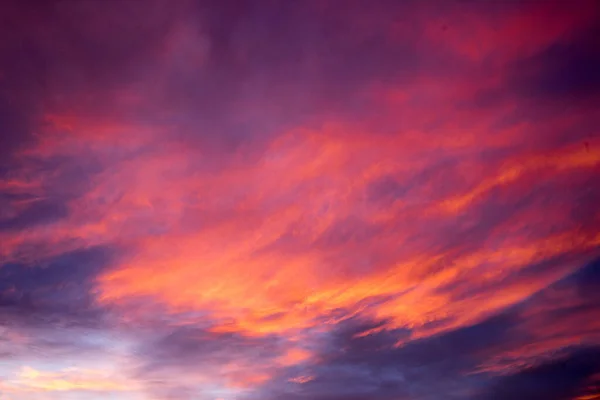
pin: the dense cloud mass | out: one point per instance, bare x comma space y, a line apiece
299, 200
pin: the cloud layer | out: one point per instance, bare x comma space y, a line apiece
297, 200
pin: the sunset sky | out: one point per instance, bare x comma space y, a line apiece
299, 200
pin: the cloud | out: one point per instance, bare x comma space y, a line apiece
39, 212
588, 278
508, 354
74, 272
192, 361
294, 200
48, 308
565, 70
32, 380
556, 380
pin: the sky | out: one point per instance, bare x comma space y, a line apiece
299, 200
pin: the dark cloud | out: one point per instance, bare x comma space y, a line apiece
558, 76
29, 206
36, 213
60, 48
191, 345
59, 54
463, 347
277, 62
54, 292
587, 280
362, 359
281, 61
14, 127
47, 308
566, 70
286, 65
582, 284
462, 290
559, 379
173, 359
364, 362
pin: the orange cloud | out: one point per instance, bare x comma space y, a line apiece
223, 267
